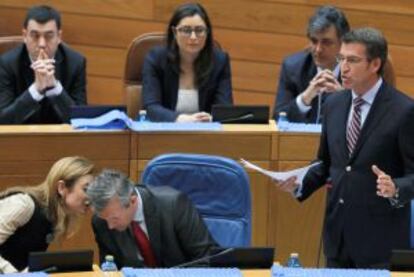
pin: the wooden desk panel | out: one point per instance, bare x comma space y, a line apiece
246, 273
294, 226
251, 142
27, 152
297, 146
235, 145
52, 146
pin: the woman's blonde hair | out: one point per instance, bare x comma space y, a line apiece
46, 194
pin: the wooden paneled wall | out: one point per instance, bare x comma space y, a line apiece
256, 33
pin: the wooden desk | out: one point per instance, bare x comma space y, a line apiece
251, 142
296, 226
27, 152
246, 273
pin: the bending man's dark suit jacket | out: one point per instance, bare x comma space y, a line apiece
296, 73
16, 76
161, 82
369, 224
176, 231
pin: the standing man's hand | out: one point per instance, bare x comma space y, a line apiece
288, 185
385, 186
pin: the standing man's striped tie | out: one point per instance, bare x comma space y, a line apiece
354, 127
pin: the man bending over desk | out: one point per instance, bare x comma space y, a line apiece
42, 78
145, 227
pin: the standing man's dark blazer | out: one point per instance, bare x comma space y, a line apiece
296, 73
17, 106
161, 83
176, 231
369, 225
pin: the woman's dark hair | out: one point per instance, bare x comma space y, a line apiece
203, 63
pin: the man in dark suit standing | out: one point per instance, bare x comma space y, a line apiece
42, 78
367, 157
307, 76
145, 227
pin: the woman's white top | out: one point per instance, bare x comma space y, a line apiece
187, 101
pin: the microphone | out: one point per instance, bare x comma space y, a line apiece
238, 118
50, 269
205, 258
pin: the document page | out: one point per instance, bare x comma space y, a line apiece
282, 175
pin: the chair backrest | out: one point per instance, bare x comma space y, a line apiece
9, 42
137, 51
218, 187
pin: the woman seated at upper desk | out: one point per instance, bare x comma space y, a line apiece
33, 216
181, 81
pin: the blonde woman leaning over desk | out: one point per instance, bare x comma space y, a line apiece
32, 217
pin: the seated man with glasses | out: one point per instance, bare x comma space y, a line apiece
182, 80
42, 78
309, 76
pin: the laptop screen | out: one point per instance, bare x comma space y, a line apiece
243, 257
240, 114
61, 261
402, 260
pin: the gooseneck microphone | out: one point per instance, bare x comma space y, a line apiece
205, 258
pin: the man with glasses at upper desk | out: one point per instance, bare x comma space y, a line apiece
307, 77
42, 78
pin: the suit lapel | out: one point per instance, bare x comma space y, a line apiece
25, 69
59, 65
152, 220
342, 112
376, 113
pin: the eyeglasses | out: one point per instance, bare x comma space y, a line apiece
350, 60
187, 31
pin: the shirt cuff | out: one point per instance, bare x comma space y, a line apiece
35, 94
395, 200
302, 107
55, 91
6, 267
298, 191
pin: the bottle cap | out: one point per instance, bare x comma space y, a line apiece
294, 255
282, 114
109, 258
142, 112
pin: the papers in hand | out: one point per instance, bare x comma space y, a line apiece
280, 176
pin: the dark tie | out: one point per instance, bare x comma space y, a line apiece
144, 245
354, 127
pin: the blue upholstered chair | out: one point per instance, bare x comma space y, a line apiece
218, 186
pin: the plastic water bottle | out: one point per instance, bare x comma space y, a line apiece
277, 270
142, 116
109, 267
293, 261
282, 122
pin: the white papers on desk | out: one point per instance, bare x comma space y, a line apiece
280, 176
